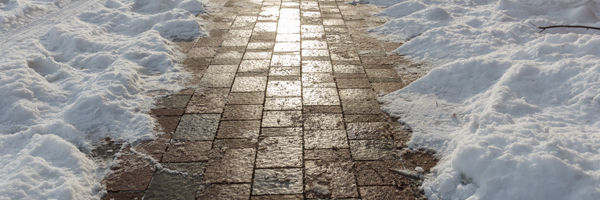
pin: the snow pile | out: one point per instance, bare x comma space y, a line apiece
85, 79
17, 13
512, 113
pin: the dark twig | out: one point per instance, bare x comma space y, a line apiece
563, 26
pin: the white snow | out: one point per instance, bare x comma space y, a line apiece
512, 113
87, 77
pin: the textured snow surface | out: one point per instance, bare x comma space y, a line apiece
512, 113
85, 79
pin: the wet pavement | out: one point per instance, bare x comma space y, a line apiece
285, 108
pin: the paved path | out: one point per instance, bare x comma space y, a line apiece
286, 109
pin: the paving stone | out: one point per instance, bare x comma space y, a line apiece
286, 47
227, 58
282, 119
387, 87
292, 60
243, 112
329, 180
202, 52
254, 66
287, 103
367, 118
262, 55
279, 152
320, 96
318, 80
421, 159
383, 73
374, 130
314, 44
209, 100
374, 150
327, 154
239, 129
235, 166
228, 191
173, 185
188, 151
156, 146
176, 101
195, 127
261, 45
133, 172
339, 39
353, 83
284, 89
166, 112
279, 197
316, 66
281, 132
277, 181
168, 124
357, 94
287, 38
284, 71
235, 143
246, 98
249, 84
192, 168
323, 139
361, 107
124, 195
322, 109
333, 22
323, 122
239, 33
379, 66
217, 80
376, 61
350, 76
106, 151
219, 69
315, 53
312, 28
386, 192
348, 69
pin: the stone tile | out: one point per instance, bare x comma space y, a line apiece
202, 52
233, 41
315, 53
168, 124
243, 112
287, 38
378, 173
288, 103
281, 132
387, 87
324, 139
284, 71
413, 159
262, 55
373, 130
106, 151
187, 152
314, 44
322, 109
279, 197
235, 166
286, 47
124, 195
195, 127
367, 118
374, 150
357, 94
257, 98
254, 65
382, 73
312, 28
284, 89
348, 69
376, 61
279, 152
361, 107
192, 168
249, 84
320, 96
166, 112
217, 80
156, 146
353, 83
350, 76
220, 69
316, 66
227, 58
277, 181
386, 192
209, 100
328, 154
318, 80
239, 33
333, 22
177, 101
323, 122
282, 119
260, 45
133, 172
345, 55
239, 129
292, 60
228, 191
263, 37
339, 39
329, 180
174, 185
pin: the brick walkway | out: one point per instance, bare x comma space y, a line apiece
286, 109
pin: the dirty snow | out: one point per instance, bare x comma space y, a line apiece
512, 113
84, 78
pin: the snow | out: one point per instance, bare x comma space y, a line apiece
512, 113
86, 78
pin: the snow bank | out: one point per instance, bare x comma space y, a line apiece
512, 113
84, 80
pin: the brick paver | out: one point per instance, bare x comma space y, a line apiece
285, 108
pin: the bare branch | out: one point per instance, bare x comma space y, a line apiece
563, 26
